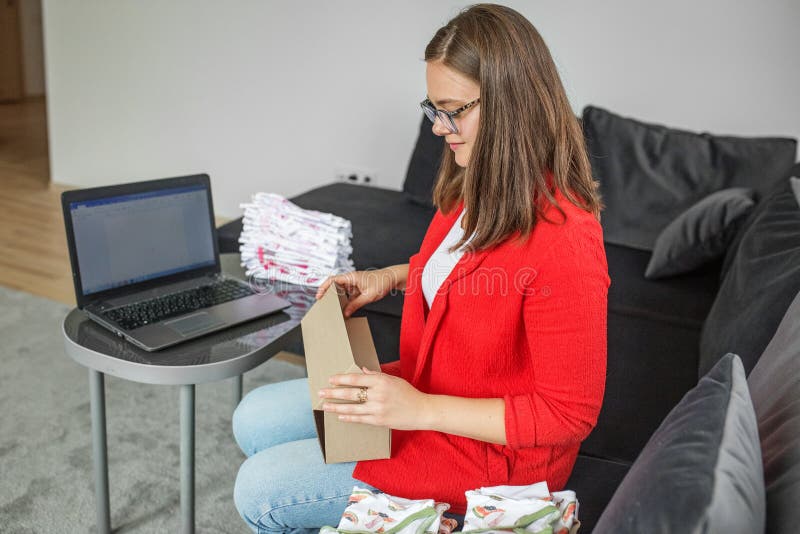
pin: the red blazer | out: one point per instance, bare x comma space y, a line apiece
522, 322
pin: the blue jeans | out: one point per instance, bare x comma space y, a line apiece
285, 485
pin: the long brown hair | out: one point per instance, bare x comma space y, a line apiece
526, 128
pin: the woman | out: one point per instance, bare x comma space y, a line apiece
503, 335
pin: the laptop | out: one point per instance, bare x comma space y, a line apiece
145, 262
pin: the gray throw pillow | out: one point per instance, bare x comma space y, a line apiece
700, 234
775, 389
761, 276
796, 188
701, 470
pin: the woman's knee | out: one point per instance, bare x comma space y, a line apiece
249, 492
289, 488
273, 414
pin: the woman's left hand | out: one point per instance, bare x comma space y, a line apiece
390, 400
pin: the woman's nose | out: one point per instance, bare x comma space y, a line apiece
439, 128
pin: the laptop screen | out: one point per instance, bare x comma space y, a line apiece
126, 239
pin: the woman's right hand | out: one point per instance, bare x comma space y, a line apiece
361, 287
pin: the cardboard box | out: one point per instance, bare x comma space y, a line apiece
335, 345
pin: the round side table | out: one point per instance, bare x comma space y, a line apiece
217, 356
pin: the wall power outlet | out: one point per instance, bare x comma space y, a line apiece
356, 175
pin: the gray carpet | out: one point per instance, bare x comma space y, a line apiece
46, 480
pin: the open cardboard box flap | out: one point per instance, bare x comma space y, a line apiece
335, 345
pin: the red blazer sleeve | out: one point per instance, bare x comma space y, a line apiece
391, 368
564, 314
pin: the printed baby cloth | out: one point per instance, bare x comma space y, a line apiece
379, 512
282, 241
521, 509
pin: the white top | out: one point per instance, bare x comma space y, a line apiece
441, 263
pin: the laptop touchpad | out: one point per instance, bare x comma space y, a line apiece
198, 322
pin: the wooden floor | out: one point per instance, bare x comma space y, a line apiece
33, 249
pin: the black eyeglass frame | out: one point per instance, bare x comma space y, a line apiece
445, 116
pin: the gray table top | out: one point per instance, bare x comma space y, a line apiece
216, 356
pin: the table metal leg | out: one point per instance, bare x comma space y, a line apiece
187, 459
99, 451
237, 390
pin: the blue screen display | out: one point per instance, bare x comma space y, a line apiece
127, 239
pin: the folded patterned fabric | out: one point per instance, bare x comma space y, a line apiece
282, 241
517, 509
521, 509
379, 512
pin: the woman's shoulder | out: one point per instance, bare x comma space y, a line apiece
561, 240
569, 221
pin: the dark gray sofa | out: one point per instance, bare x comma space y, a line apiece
655, 327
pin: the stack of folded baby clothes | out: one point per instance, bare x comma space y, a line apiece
369, 511
521, 509
281, 241
498, 509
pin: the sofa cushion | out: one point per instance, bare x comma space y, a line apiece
763, 277
653, 331
775, 390
649, 173
680, 300
641, 352
228, 236
424, 165
701, 233
701, 470
594, 481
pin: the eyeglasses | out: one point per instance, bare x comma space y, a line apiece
445, 116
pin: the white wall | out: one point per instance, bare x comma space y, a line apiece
275, 95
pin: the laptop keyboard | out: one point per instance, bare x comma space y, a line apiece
154, 310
